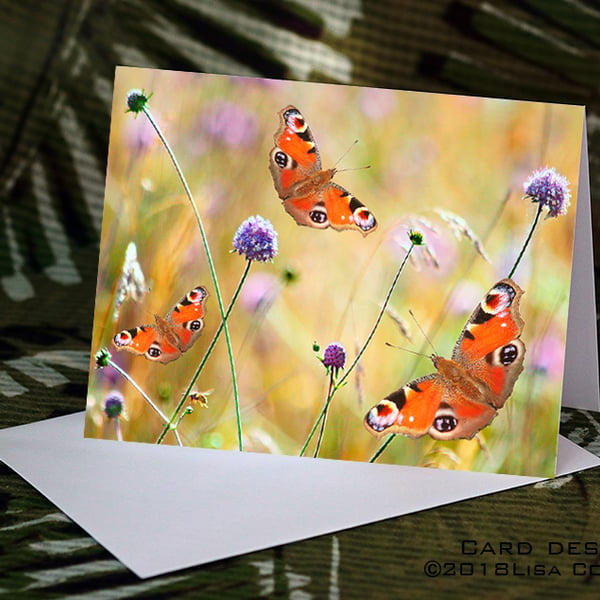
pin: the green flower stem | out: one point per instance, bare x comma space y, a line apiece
319, 418
382, 448
529, 236
330, 393
145, 396
188, 411
361, 351
205, 359
211, 265
379, 316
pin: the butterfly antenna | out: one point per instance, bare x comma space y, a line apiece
339, 160
353, 169
421, 330
406, 350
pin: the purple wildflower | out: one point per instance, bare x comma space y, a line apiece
256, 239
550, 189
113, 405
334, 357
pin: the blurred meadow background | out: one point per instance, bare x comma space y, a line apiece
449, 166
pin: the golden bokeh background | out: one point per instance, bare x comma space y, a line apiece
427, 153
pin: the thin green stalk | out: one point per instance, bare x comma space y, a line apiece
145, 396
206, 357
316, 424
529, 236
211, 266
379, 317
382, 448
330, 393
362, 350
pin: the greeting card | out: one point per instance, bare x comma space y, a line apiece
337, 272
294, 269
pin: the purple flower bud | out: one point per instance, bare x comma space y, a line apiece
113, 405
550, 189
256, 239
334, 357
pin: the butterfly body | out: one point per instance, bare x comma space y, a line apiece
453, 374
170, 336
308, 192
311, 185
466, 391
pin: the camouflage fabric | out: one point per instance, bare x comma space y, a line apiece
57, 63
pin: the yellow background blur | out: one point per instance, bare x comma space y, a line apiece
461, 154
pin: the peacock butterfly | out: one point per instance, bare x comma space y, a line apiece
307, 191
465, 393
170, 336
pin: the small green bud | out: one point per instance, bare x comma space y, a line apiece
102, 357
137, 101
415, 237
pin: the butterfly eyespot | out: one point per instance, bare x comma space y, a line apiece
281, 159
499, 299
382, 416
364, 219
318, 215
445, 423
123, 338
294, 120
153, 352
506, 355
194, 325
509, 354
196, 295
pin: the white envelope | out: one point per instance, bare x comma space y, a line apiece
226, 503
229, 503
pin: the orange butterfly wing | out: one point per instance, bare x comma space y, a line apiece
187, 317
464, 395
307, 192
169, 337
409, 410
459, 416
489, 346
